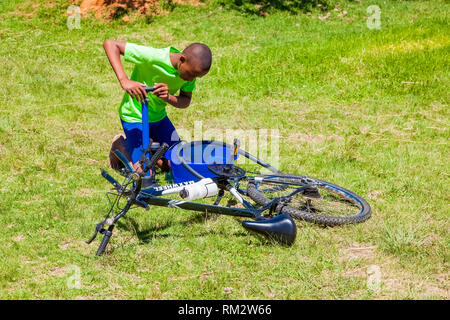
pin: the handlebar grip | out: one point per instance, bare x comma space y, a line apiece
158, 154
148, 89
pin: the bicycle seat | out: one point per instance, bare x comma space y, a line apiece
281, 228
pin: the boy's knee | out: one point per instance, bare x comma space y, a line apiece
118, 143
119, 138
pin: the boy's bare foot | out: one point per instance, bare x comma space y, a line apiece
163, 164
117, 143
137, 167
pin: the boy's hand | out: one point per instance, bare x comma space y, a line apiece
161, 91
135, 89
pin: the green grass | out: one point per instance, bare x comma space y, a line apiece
366, 109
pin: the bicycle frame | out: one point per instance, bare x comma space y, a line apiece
152, 196
248, 212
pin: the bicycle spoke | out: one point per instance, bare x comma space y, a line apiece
324, 201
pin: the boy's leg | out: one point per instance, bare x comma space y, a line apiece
161, 131
164, 131
133, 132
118, 143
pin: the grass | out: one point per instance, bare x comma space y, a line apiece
366, 109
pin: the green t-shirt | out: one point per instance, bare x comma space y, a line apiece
152, 66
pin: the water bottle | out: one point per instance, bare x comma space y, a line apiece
201, 189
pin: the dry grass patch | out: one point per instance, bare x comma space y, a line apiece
385, 277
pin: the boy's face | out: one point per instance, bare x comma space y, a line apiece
188, 70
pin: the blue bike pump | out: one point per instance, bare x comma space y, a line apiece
145, 123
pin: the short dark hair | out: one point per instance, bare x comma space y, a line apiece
200, 54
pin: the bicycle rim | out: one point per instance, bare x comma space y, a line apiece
322, 202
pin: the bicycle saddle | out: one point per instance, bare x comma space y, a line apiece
281, 228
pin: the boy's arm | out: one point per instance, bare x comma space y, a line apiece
182, 101
113, 51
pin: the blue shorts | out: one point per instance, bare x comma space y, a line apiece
161, 131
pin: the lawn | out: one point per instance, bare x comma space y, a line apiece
363, 108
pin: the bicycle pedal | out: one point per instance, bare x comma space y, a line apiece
311, 192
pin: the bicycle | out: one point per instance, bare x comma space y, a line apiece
206, 169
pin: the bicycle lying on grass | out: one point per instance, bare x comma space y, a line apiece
206, 169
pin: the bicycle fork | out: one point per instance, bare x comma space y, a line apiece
110, 223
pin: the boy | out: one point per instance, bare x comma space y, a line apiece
168, 70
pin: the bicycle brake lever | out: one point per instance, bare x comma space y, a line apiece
98, 228
113, 181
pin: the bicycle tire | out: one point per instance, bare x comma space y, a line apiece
321, 219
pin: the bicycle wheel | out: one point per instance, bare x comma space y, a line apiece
318, 201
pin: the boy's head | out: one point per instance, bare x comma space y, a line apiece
195, 61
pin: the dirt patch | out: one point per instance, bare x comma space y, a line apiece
29, 9
58, 271
365, 252
84, 192
385, 276
205, 275
374, 194
19, 238
27, 15
111, 9
65, 245
50, 4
